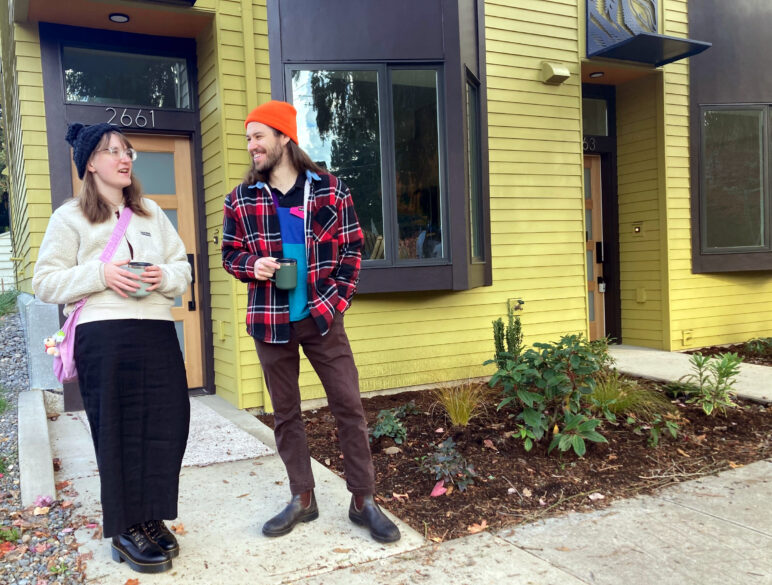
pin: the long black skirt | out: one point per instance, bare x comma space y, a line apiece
132, 379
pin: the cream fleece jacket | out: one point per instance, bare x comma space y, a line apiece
68, 267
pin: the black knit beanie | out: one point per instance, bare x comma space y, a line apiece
83, 140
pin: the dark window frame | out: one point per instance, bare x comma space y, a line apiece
458, 47
387, 145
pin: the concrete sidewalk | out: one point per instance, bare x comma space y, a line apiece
712, 530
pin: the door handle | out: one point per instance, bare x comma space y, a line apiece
601, 285
192, 301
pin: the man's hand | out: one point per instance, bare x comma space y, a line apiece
265, 268
120, 280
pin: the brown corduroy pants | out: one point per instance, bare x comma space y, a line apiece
331, 357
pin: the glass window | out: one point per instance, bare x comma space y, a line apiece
733, 179
594, 117
129, 79
475, 172
339, 128
417, 158
155, 171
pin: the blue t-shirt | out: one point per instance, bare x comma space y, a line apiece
293, 238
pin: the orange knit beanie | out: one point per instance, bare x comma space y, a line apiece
279, 115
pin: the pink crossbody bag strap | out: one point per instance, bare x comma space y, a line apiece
64, 363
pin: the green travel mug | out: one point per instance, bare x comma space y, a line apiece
287, 274
138, 268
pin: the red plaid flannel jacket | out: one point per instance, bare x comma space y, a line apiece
333, 249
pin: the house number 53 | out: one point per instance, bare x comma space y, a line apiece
128, 118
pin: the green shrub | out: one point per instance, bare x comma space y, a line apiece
8, 302
448, 464
550, 383
711, 385
512, 335
461, 402
656, 427
758, 346
388, 425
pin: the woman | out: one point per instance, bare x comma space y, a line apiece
130, 368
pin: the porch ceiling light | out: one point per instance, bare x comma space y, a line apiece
119, 17
597, 74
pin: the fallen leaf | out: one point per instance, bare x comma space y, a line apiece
475, 528
243, 495
596, 496
435, 539
131, 582
439, 430
53, 416
43, 501
542, 502
327, 462
511, 491
734, 465
41, 510
66, 504
489, 444
439, 489
683, 453
6, 547
450, 490
527, 493
97, 534
41, 548
397, 496
611, 457
60, 485
392, 450
563, 549
179, 528
225, 481
341, 550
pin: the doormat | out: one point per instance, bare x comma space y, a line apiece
213, 438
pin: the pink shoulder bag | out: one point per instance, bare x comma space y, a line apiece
64, 339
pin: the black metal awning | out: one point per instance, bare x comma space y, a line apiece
652, 49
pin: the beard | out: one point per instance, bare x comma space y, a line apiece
272, 158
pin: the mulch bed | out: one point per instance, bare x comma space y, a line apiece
514, 486
741, 349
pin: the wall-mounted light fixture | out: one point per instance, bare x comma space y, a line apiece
596, 74
119, 17
554, 73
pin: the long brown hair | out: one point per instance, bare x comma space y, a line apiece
94, 207
297, 157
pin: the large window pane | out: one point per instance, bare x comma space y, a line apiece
127, 79
594, 117
416, 150
475, 173
733, 178
339, 127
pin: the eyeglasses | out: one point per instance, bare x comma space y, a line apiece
119, 153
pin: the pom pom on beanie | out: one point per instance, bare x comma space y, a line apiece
84, 140
278, 115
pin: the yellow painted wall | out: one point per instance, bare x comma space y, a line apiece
641, 256
721, 308
25, 131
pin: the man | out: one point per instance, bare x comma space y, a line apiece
288, 207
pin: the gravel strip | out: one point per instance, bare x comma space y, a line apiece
37, 545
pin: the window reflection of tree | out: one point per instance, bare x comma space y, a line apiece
346, 106
134, 80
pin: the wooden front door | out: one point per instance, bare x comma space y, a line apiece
593, 219
165, 170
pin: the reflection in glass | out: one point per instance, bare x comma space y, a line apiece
473, 160
587, 183
172, 215
155, 170
591, 303
594, 117
733, 178
179, 327
590, 267
339, 127
113, 77
416, 148
588, 224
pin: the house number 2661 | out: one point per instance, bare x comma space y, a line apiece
127, 118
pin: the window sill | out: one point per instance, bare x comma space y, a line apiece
405, 279
742, 262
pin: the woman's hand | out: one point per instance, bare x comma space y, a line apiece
152, 275
265, 268
120, 280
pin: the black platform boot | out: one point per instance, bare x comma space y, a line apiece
157, 531
141, 553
